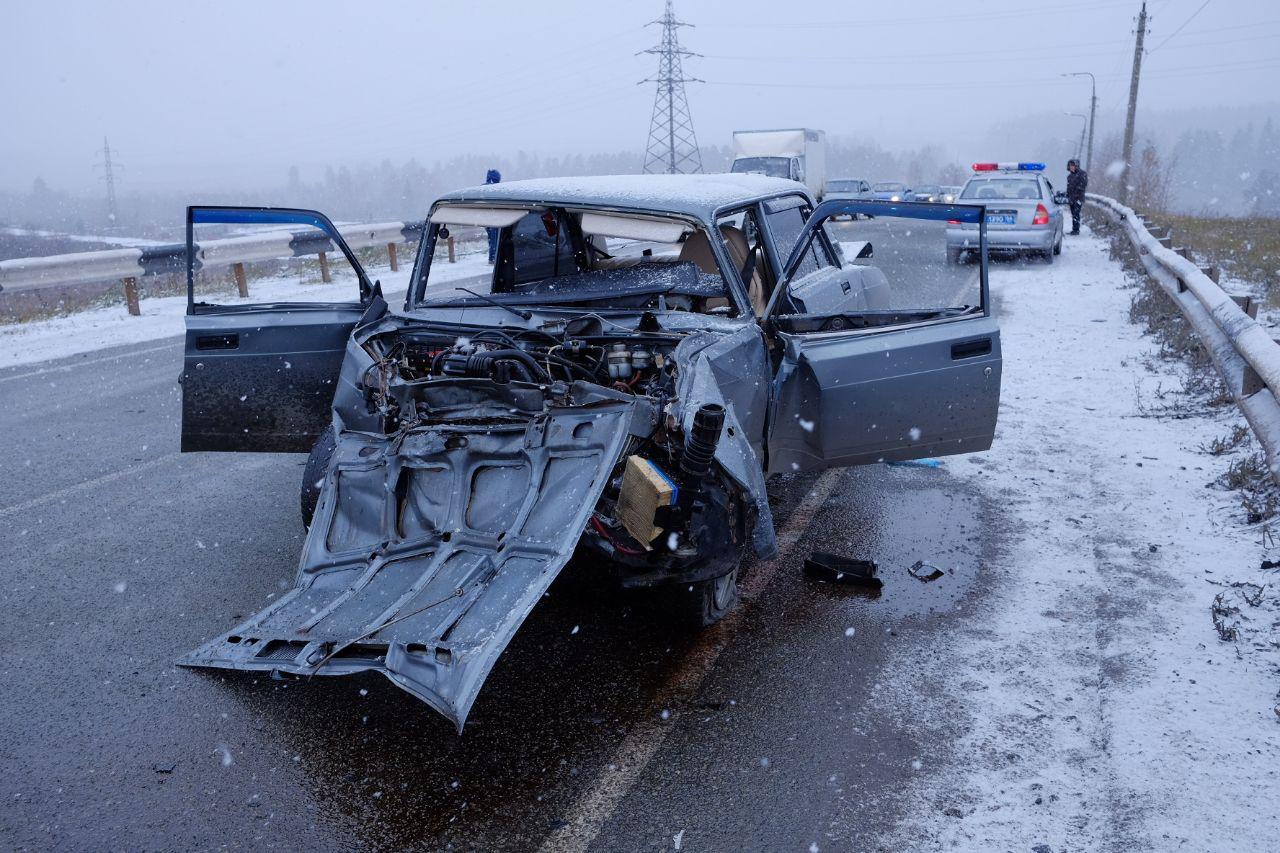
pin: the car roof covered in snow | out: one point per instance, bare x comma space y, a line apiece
696, 195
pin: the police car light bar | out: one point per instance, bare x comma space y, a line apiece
1008, 167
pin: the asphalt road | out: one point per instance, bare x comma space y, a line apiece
121, 554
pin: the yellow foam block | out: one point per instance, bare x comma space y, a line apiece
644, 489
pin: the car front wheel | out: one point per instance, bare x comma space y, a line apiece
313, 475
705, 603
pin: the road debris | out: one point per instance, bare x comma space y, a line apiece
925, 572
917, 463
832, 568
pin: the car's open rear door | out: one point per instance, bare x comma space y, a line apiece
259, 370
909, 371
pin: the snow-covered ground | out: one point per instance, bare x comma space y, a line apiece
127, 242
1096, 706
162, 317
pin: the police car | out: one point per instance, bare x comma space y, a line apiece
1024, 215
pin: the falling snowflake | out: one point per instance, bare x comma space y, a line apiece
807, 426
914, 433
849, 632
120, 587
575, 630
225, 751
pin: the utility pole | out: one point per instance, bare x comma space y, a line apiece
109, 177
673, 146
1133, 105
1093, 111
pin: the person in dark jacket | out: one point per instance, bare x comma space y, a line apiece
1077, 183
493, 176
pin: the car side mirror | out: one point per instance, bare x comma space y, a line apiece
865, 249
1060, 198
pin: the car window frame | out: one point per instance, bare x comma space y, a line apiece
415, 294
886, 209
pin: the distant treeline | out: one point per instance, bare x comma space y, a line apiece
389, 190
1236, 174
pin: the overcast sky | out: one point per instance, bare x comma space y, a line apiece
197, 94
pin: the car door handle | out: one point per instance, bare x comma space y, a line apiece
971, 349
218, 342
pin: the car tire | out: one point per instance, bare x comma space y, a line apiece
1057, 247
313, 475
1048, 255
704, 603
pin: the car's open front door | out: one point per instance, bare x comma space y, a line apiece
272, 296
890, 356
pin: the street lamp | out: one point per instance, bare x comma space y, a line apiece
1093, 110
1084, 119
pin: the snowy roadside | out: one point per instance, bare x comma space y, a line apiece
1091, 705
162, 317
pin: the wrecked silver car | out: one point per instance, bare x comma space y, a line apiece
641, 353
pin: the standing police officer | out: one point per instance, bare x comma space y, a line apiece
493, 176
1077, 183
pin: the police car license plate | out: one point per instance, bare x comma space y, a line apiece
1002, 218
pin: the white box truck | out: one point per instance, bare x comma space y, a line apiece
798, 153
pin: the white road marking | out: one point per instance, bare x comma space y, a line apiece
87, 484
590, 812
65, 368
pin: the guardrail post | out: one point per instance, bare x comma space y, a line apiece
391, 253
453, 258
324, 269
1247, 305
131, 296
1213, 273
1251, 383
1184, 252
242, 281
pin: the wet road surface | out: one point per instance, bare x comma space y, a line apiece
121, 555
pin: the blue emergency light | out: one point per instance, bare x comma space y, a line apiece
1008, 167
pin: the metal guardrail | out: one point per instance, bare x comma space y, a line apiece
128, 265
1244, 353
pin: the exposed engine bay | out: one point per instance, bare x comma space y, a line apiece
667, 514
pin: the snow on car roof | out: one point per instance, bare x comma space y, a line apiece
697, 195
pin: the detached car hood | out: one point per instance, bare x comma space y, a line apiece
429, 548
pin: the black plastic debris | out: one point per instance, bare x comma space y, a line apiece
833, 568
925, 572
1270, 564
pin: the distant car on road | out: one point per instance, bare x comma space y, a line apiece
1023, 215
950, 194
847, 189
890, 191
927, 192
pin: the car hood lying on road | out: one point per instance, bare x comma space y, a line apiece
428, 551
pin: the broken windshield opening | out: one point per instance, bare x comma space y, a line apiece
554, 256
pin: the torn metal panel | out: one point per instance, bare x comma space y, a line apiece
428, 552
733, 371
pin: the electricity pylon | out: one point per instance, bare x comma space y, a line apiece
673, 146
